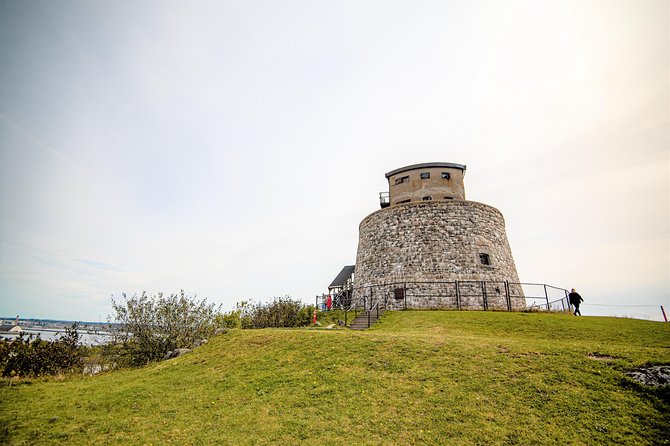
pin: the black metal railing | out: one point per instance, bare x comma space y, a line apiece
384, 199
457, 295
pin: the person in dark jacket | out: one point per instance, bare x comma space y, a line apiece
575, 300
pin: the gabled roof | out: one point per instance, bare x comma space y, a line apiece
342, 277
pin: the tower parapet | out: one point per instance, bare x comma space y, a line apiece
424, 182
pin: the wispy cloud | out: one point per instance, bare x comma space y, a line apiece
98, 265
35, 141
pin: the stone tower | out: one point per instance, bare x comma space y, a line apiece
443, 250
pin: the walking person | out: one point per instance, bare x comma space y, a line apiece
575, 300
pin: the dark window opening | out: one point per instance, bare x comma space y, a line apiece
448, 198
425, 175
446, 176
484, 259
428, 198
399, 293
403, 201
404, 179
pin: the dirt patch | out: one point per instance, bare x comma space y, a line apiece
656, 376
600, 357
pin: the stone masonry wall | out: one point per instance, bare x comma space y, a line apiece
427, 242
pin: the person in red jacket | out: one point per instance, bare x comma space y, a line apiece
575, 300
329, 302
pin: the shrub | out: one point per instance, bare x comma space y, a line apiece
229, 320
30, 355
147, 327
282, 312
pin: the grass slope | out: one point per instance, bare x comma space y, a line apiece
418, 377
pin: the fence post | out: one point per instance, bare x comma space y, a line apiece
507, 296
486, 306
458, 296
404, 293
546, 296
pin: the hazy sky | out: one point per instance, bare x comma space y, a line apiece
231, 148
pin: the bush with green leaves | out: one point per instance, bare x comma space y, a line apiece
231, 319
146, 327
30, 355
282, 312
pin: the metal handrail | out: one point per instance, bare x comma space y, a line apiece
375, 307
353, 307
457, 294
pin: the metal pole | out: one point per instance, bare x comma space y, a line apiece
404, 293
507, 296
664, 316
458, 296
484, 296
546, 296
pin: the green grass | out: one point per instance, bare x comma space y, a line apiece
417, 377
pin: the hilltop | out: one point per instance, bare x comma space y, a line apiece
417, 377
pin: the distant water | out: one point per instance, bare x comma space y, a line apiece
85, 337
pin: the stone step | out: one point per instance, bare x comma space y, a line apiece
361, 322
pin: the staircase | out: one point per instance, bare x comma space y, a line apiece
367, 319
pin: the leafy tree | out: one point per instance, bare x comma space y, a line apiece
146, 327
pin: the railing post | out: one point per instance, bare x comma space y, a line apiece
563, 303
458, 296
546, 296
486, 306
404, 293
507, 296
369, 311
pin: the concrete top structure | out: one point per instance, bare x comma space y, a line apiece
425, 182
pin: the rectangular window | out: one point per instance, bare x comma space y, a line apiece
428, 198
425, 175
402, 201
484, 259
446, 176
404, 179
448, 198
399, 293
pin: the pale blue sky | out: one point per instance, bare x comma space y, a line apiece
232, 148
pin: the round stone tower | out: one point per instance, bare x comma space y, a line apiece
431, 245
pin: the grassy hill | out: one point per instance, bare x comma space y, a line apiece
418, 377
